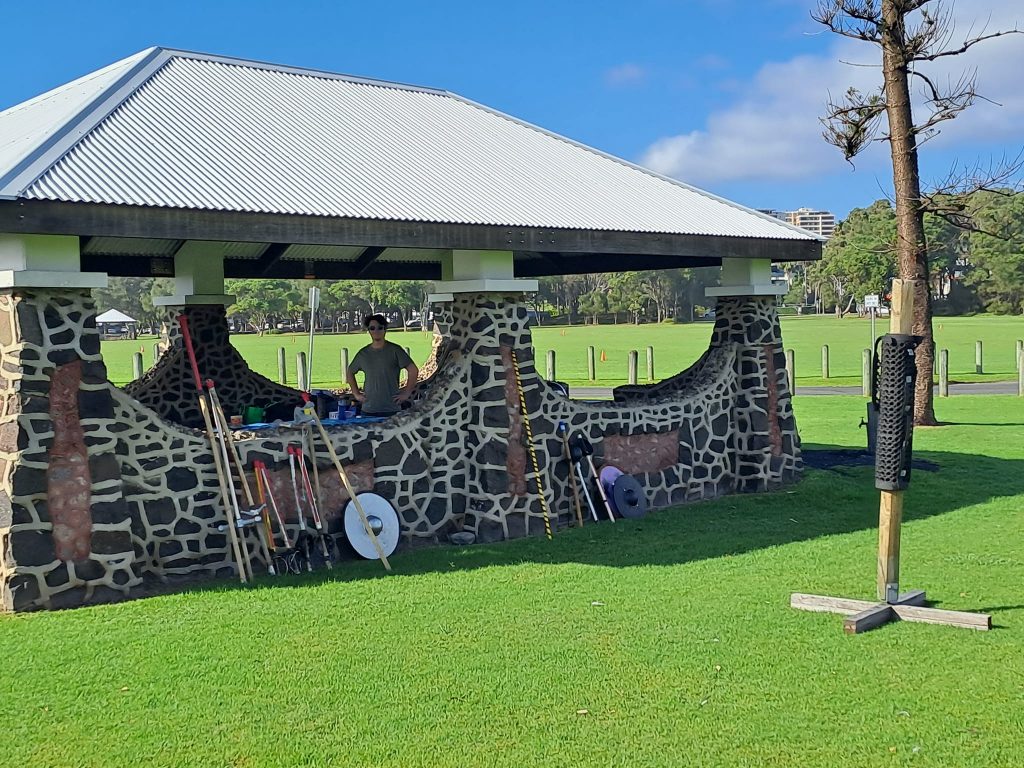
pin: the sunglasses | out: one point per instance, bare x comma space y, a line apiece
376, 328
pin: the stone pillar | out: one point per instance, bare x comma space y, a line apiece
767, 445
65, 531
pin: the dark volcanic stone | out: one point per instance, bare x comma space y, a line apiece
181, 479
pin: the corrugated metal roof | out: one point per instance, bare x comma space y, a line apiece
217, 134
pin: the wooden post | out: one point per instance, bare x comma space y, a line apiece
301, 375
591, 368
137, 365
1020, 348
865, 373
634, 357
650, 363
890, 510
791, 371
944, 373
824, 361
344, 365
551, 365
156, 352
1020, 373
282, 370
979, 366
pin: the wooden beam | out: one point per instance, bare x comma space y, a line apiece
869, 618
270, 257
289, 269
84, 219
845, 605
365, 259
924, 615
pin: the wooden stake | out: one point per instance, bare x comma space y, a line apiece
890, 509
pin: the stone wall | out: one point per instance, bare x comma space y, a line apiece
102, 495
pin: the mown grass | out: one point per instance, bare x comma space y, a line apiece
662, 642
675, 348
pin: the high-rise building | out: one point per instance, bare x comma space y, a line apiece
819, 222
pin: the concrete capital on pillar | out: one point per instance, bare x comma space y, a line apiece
746, 277
478, 272
198, 276
44, 261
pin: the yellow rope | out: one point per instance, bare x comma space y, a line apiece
533, 452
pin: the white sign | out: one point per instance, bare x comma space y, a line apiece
314, 298
871, 301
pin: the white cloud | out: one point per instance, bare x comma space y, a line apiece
771, 130
625, 75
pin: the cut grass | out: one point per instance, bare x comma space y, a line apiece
675, 348
661, 642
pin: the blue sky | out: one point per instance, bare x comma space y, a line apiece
723, 94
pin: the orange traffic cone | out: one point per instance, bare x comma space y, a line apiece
604, 357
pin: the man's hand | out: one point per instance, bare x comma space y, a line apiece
402, 395
361, 397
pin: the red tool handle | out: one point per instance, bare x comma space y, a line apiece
183, 322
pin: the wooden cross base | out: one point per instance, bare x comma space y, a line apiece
862, 615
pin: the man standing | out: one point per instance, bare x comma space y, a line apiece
381, 362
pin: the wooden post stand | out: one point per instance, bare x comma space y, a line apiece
863, 615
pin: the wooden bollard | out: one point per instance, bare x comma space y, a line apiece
156, 352
824, 361
634, 358
650, 363
865, 373
137, 365
1016, 356
282, 370
1020, 373
344, 365
301, 374
791, 371
551, 365
979, 366
944, 373
591, 368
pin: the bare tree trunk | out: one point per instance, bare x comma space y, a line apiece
911, 248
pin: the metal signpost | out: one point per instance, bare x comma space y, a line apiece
314, 303
871, 304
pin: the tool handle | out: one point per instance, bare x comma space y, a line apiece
187, 337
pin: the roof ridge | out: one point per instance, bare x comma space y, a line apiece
293, 70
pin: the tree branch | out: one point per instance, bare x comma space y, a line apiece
853, 124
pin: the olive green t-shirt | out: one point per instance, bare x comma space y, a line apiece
382, 368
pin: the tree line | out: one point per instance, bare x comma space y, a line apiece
976, 269
271, 305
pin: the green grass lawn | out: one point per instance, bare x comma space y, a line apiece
675, 348
662, 642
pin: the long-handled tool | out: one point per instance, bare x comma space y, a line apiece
255, 514
578, 446
563, 431
351, 491
288, 557
533, 450
314, 508
236, 544
588, 451
303, 537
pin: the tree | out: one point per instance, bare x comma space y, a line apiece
997, 260
259, 301
909, 34
859, 259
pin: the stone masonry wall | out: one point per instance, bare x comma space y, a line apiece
457, 459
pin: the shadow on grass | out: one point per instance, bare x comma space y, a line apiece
830, 502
